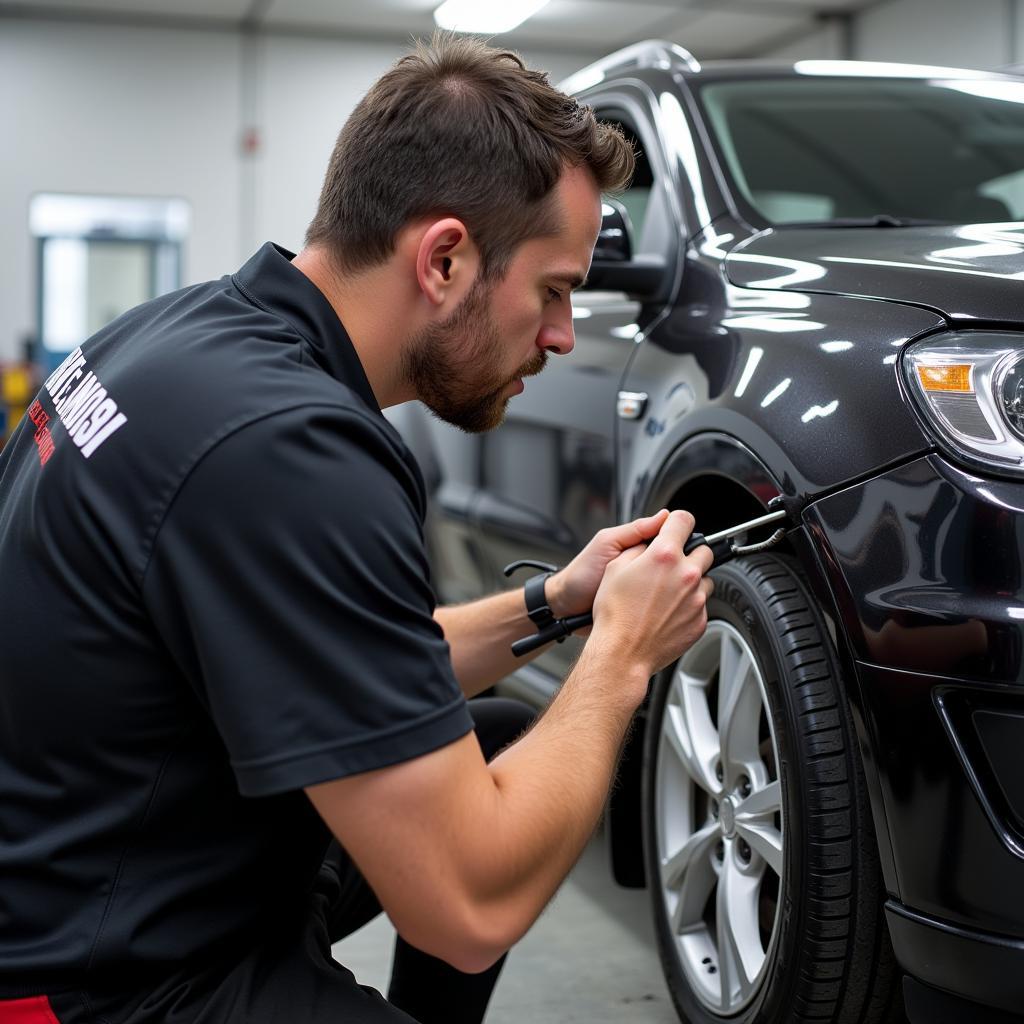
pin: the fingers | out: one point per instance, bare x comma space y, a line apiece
630, 554
676, 531
639, 531
676, 528
649, 526
703, 557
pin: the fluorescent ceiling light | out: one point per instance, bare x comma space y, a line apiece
486, 16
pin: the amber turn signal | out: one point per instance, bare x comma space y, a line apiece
948, 377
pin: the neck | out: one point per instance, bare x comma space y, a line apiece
369, 307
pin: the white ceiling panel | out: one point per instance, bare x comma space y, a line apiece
215, 10
392, 17
710, 28
575, 24
590, 24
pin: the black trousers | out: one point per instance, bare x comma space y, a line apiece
293, 979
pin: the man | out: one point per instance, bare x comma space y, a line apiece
219, 643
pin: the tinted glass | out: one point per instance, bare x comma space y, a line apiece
637, 197
810, 149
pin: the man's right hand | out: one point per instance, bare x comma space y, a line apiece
651, 602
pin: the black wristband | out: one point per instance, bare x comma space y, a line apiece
537, 606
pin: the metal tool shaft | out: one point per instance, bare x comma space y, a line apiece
752, 524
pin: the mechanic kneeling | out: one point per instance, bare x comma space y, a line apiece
219, 642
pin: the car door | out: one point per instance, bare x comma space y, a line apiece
547, 475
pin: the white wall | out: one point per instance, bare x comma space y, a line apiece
825, 43
151, 111
954, 33
120, 111
959, 33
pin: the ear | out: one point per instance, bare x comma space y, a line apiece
447, 262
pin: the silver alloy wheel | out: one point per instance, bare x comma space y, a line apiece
718, 807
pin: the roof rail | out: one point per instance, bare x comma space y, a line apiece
651, 53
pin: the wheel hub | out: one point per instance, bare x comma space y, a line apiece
727, 817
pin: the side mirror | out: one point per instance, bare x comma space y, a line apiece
615, 239
614, 267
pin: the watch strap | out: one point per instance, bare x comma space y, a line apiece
537, 607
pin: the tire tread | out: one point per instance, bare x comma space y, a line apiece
840, 967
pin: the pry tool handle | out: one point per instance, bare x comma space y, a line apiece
723, 549
559, 629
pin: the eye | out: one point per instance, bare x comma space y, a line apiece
554, 295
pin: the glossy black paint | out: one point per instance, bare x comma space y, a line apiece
928, 547
785, 373
986, 971
925, 567
967, 273
772, 366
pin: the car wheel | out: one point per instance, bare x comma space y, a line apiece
759, 847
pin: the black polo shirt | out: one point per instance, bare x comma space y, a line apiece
213, 592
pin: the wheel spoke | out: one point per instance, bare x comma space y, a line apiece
766, 840
739, 709
762, 803
740, 955
698, 881
730, 654
699, 845
695, 744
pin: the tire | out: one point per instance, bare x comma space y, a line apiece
758, 841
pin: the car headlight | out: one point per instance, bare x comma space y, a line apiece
970, 388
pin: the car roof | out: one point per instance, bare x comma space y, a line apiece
663, 55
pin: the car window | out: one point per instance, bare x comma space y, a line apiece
636, 198
810, 149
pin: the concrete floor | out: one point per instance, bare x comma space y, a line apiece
590, 959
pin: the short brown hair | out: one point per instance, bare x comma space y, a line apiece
459, 128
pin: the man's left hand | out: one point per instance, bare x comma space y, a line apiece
572, 590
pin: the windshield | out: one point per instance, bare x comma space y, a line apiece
815, 149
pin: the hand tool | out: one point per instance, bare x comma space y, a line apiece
723, 548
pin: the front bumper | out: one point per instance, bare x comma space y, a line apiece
957, 974
925, 565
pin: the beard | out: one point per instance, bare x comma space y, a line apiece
456, 368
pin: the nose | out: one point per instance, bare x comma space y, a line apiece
560, 340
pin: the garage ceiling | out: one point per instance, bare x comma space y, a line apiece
708, 28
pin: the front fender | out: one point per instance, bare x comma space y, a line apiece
814, 394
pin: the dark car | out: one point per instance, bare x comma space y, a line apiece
814, 288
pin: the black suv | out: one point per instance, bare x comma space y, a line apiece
814, 288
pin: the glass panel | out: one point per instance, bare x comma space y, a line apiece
948, 150
635, 198
100, 256
119, 275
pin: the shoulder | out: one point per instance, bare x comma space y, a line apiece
314, 472
330, 444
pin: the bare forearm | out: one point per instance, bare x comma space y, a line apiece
481, 633
551, 788
493, 842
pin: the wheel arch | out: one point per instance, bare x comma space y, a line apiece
722, 482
